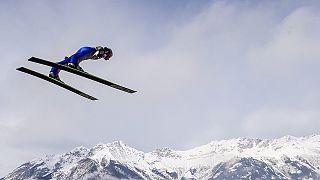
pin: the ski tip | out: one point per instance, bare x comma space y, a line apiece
130, 91
89, 97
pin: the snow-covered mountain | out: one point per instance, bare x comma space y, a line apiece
284, 158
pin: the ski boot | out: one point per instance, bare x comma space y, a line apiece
54, 76
74, 66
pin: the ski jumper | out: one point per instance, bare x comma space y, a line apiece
83, 53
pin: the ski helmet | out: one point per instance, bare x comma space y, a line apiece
107, 53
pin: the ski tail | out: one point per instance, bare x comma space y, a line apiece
57, 82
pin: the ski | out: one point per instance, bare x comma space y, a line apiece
81, 73
57, 82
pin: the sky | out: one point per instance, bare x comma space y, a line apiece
204, 70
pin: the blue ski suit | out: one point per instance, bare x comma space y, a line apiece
83, 53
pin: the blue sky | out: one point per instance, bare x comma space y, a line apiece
204, 70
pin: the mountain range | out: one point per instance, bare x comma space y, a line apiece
242, 158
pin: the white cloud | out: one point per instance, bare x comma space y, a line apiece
9, 125
271, 122
294, 43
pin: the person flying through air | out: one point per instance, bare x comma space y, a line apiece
84, 53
